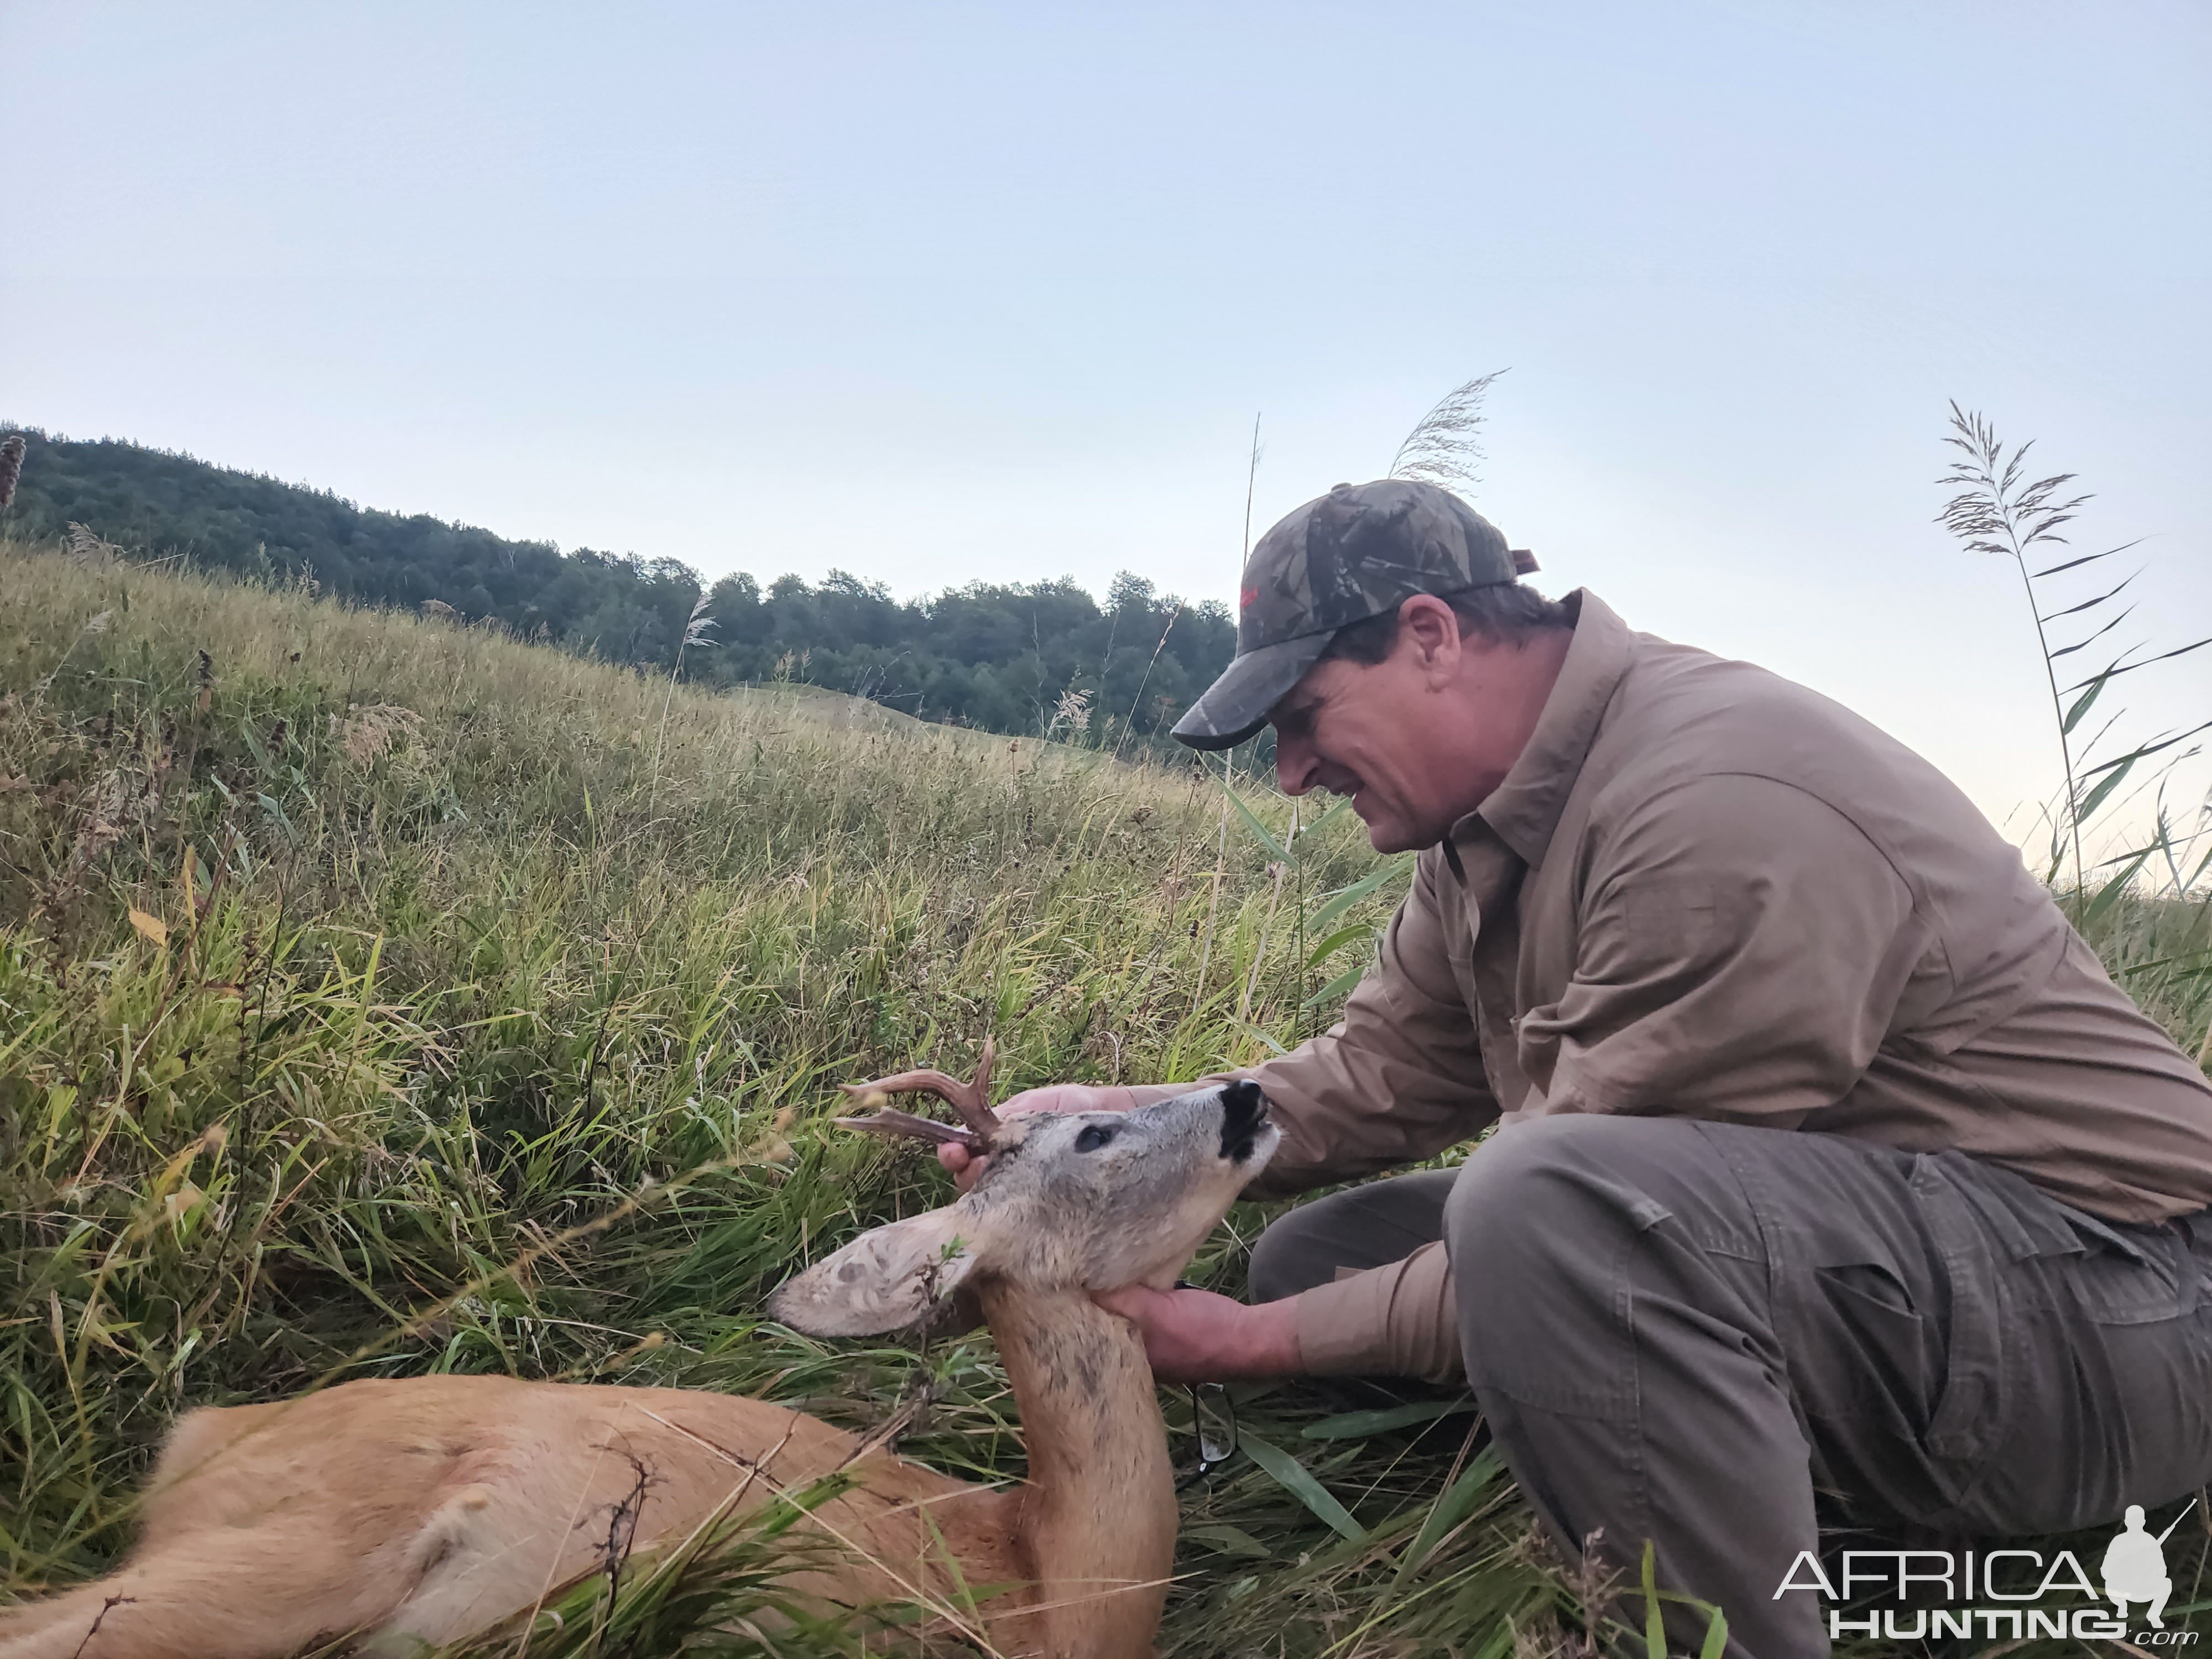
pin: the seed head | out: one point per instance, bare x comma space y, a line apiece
11, 466
701, 625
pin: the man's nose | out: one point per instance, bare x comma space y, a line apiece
1294, 766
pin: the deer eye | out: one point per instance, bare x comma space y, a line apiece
1094, 1136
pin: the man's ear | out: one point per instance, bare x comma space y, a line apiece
885, 1281
1430, 629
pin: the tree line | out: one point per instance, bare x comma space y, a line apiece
1019, 657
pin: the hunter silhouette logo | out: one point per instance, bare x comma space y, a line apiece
2135, 1566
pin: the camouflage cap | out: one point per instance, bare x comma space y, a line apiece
1357, 552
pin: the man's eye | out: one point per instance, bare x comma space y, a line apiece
1094, 1136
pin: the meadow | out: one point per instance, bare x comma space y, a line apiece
380, 996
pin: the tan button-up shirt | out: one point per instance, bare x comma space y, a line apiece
1704, 891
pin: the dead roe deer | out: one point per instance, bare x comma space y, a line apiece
415, 1510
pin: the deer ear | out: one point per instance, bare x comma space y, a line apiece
885, 1280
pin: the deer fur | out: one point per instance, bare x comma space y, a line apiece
408, 1511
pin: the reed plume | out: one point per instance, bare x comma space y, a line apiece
1444, 448
11, 467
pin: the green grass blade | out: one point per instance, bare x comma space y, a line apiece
1374, 881
2181, 651
2111, 782
1358, 1425
1226, 1539
1342, 804
2109, 894
1336, 941
1263, 834
1340, 986
1266, 1038
1295, 1479
1655, 1627
1448, 1511
2082, 703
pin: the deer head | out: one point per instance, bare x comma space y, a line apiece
1075, 1201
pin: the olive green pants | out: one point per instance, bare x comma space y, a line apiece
1677, 1330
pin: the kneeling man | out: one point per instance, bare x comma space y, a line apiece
1823, 1151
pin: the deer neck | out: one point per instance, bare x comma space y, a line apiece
1095, 1525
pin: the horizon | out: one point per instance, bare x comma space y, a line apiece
706, 581
920, 299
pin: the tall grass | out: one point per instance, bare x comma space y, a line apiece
2003, 510
371, 1003
2143, 903
374, 1002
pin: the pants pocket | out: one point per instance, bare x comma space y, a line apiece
1968, 1420
1878, 1349
2112, 1275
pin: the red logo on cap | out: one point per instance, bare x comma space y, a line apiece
1249, 598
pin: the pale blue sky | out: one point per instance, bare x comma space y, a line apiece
939, 292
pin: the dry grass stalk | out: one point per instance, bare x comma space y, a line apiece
366, 734
89, 550
1072, 710
11, 467
697, 631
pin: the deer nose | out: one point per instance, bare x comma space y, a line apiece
1243, 1110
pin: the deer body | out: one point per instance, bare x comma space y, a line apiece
416, 1510
427, 1508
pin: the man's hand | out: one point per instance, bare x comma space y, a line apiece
1195, 1336
967, 1168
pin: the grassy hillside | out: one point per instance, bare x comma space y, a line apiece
447, 947
1021, 659
378, 996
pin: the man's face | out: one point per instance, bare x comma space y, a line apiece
1404, 738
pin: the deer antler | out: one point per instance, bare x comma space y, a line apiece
971, 1100
889, 1122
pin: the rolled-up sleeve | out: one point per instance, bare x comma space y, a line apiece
1398, 1080
1398, 1320
1742, 951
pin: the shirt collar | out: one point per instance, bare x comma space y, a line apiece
1523, 810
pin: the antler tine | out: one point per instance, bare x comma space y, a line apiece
971, 1100
985, 1120
926, 1082
906, 1124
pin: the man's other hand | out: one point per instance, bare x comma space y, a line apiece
1195, 1336
967, 1168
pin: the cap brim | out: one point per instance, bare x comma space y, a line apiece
1235, 706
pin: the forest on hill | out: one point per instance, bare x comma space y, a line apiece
1020, 658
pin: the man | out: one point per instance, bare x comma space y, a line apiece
1827, 1156
2134, 1570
